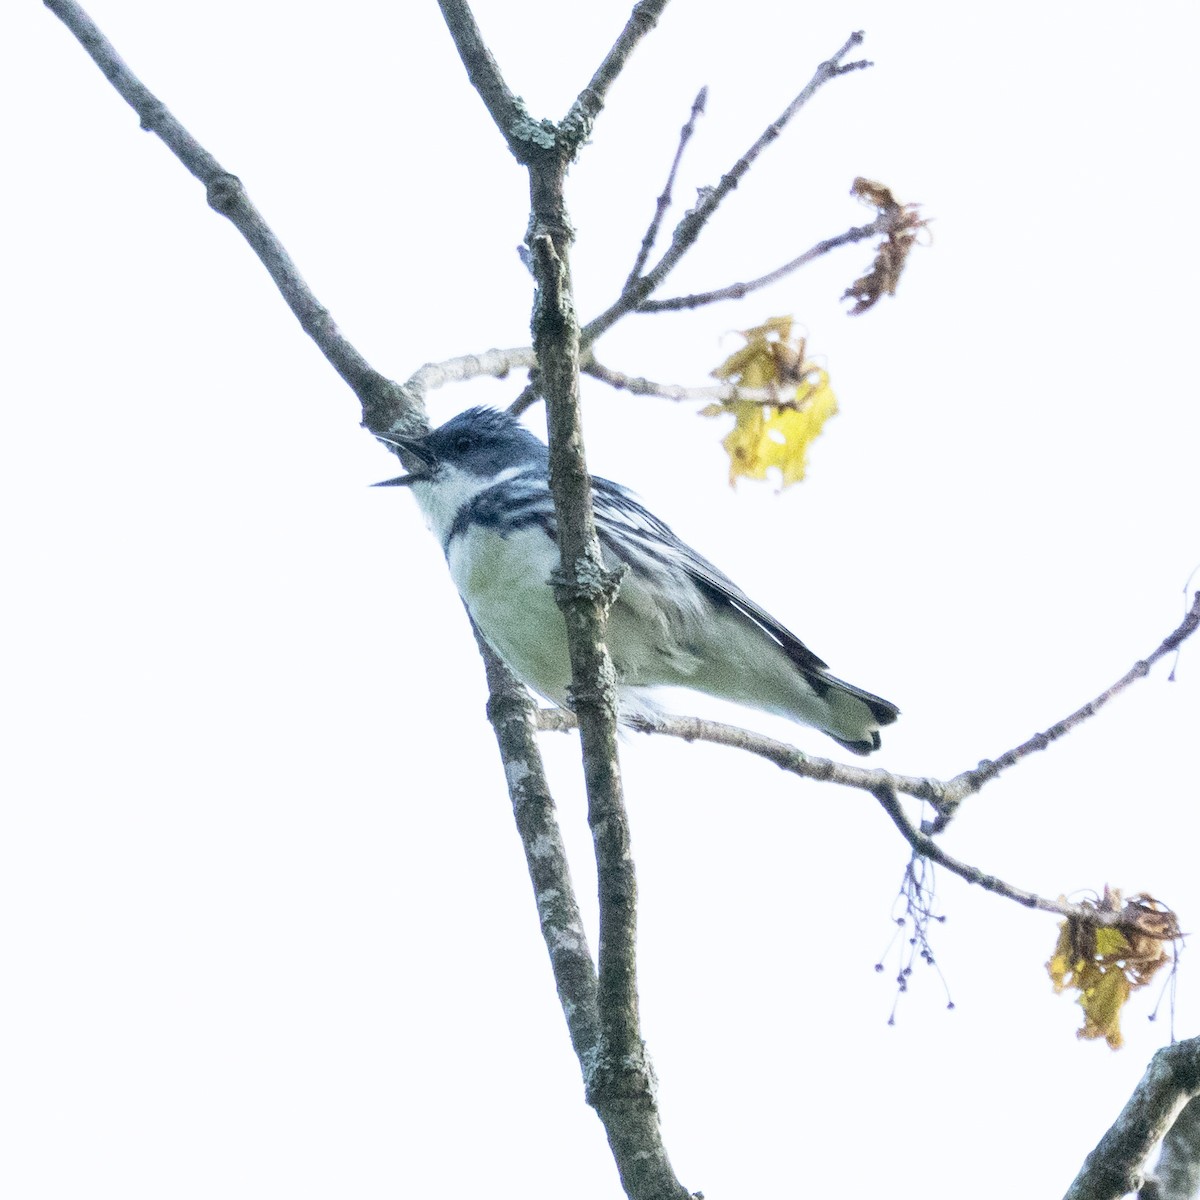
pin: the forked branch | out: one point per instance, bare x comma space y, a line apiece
507, 110
577, 124
694, 221
886, 787
620, 1080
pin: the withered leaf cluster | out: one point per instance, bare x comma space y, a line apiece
1106, 963
903, 223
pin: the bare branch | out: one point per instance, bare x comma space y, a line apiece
689, 228
576, 126
1177, 1171
639, 386
944, 796
617, 1070
526, 137
737, 291
786, 757
585, 592
621, 1078
531, 393
969, 782
495, 364
926, 847
385, 404
883, 785
510, 712
1114, 1168
664, 200
507, 110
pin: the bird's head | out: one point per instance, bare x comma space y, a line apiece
483, 443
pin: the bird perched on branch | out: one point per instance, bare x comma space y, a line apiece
482, 481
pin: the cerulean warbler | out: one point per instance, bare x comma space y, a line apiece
482, 481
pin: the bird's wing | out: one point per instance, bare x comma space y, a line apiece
619, 506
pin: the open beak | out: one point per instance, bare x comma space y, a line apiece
401, 481
413, 449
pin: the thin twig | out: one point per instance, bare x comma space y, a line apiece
664, 200
1187, 587
927, 848
531, 393
1115, 1167
969, 782
576, 126
689, 228
637, 385
737, 291
385, 403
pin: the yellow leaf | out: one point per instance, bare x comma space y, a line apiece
1102, 1004
1060, 962
1110, 943
776, 433
1106, 963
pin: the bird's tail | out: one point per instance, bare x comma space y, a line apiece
853, 717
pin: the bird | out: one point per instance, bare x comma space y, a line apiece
482, 483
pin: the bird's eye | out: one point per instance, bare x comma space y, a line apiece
462, 443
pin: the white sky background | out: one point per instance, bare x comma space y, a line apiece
265, 928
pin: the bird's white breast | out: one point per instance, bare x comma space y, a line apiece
505, 584
504, 581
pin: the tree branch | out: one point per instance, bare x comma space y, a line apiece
618, 1073
508, 111
786, 757
944, 796
510, 712
1114, 1168
576, 126
495, 364
639, 386
622, 1090
883, 785
664, 199
1177, 1172
385, 403
927, 848
531, 393
738, 291
693, 222
969, 782
586, 591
